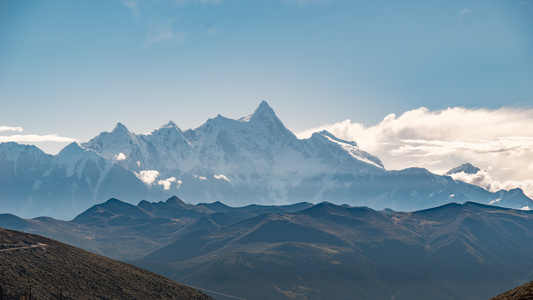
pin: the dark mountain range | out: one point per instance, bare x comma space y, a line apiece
305, 251
47, 269
255, 159
468, 251
123, 231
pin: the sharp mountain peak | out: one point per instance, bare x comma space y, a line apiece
120, 127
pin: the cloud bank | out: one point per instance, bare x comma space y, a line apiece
34, 138
499, 141
484, 180
9, 128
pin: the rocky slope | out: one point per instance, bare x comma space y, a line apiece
48, 269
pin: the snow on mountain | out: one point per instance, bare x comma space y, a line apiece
34, 183
253, 159
466, 168
256, 159
20, 168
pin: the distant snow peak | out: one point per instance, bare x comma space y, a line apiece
120, 127
467, 168
170, 124
71, 149
147, 176
525, 208
221, 177
120, 157
264, 114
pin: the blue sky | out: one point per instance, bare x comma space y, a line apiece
75, 68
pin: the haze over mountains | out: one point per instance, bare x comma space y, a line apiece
124, 231
255, 159
305, 251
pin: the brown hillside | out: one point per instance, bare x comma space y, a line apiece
53, 268
523, 292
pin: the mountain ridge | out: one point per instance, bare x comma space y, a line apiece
454, 251
255, 159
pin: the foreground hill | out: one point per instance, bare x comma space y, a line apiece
523, 292
468, 251
53, 268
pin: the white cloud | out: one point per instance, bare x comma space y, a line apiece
163, 32
120, 156
34, 138
9, 128
484, 180
499, 141
148, 176
221, 177
200, 177
167, 182
134, 8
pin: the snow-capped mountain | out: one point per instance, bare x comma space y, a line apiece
33, 183
252, 160
466, 168
256, 159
